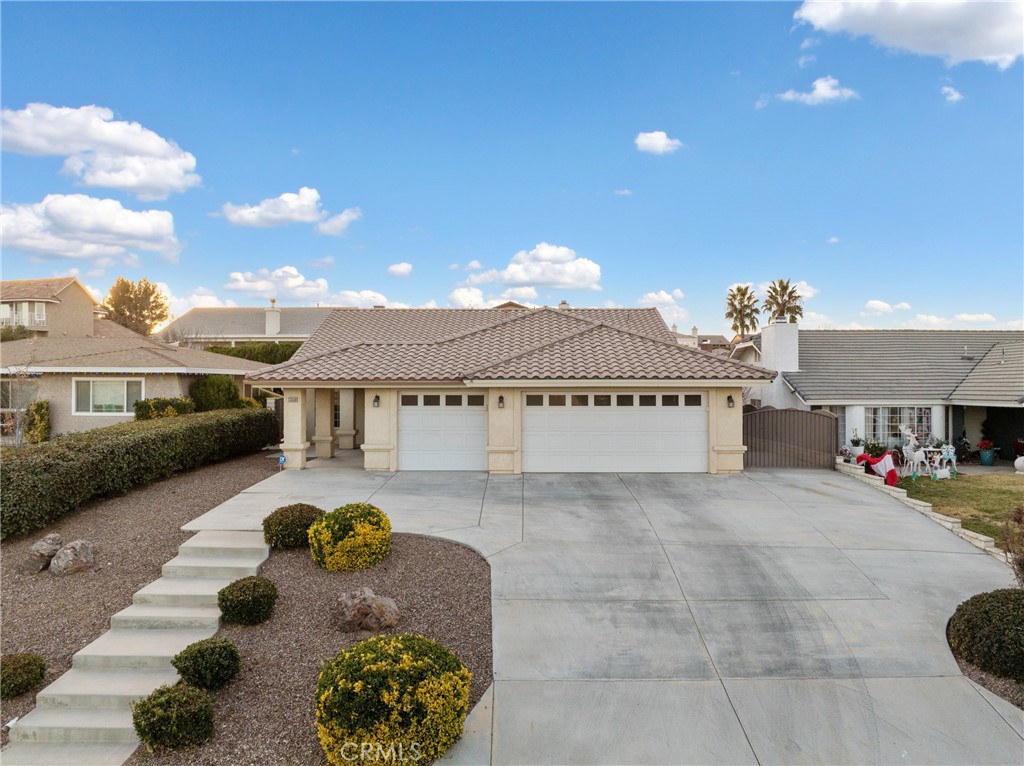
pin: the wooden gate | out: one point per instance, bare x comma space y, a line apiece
790, 439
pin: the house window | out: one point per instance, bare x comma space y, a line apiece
6, 395
40, 316
336, 416
106, 396
883, 423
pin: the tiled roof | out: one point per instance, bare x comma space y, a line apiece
121, 353
33, 289
540, 344
848, 366
108, 328
243, 322
997, 378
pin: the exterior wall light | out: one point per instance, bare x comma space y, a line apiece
501, 402
376, 400
728, 400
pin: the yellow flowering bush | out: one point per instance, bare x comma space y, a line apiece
391, 699
355, 536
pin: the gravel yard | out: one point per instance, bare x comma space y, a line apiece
135, 535
265, 716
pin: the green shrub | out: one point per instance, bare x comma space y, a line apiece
215, 392
163, 407
404, 695
208, 664
37, 421
355, 536
251, 403
247, 601
269, 353
987, 630
173, 717
41, 483
288, 526
875, 449
19, 673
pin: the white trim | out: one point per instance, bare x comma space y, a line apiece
702, 383
35, 370
126, 381
982, 403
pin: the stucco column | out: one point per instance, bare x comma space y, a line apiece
854, 420
323, 435
503, 430
939, 421
725, 430
381, 444
346, 430
294, 445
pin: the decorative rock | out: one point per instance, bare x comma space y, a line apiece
363, 610
42, 551
77, 556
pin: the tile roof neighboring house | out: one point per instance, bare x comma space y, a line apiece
115, 355
449, 345
998, 379
108, 328
34, 289
243, 322
844, 366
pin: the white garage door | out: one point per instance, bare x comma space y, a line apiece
442, 432
615, 432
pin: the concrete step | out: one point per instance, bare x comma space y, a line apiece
73, 726
225, 544
159, 616
182, 591
102, 689
136, 649
193, 566
48, 754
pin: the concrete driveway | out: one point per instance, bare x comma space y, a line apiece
773, 617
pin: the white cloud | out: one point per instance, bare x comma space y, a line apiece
200, 297
806, 290
336, 224
99, 150
327, 262
833, 240
545, 266
809, 42
520, 294
453, 266
1014, 324
823, 90
763, 100
951, 94
874, 308
656, 142
474, 266
303, 207
623, 192
974, 318
285, 283
812, 320
402, 269
927, 321
83, 227
667, 303
957, 30
903, 306
806, 59
362, 299
469, 298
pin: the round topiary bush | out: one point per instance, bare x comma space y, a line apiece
288, 526
247, 601
405, 696
19, 673
355, 536
987, 630
173, 717
208, 664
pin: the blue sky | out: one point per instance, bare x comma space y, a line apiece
465, 154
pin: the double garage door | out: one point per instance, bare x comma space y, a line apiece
561, 432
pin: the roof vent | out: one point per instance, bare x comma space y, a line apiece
564, 305
379, 307
967, 356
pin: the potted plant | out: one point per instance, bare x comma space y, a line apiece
988, 451
856, 445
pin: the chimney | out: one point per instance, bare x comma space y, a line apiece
693, 331
273, 316
675, 328
780, 346
564, 305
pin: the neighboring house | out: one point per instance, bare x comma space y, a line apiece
228, 326
92, 370
941, 382
703, 342
50, 308
513, 390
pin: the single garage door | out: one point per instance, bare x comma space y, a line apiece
615, 432
441, 432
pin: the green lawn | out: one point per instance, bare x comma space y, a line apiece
980, 502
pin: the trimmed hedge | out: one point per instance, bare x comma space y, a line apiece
987, 630
268, 353
248, 601
208, 664
163, 407
404, 695
37, 421
173, 717
39, 484
20, 672
215, 392
288, 526
355, 536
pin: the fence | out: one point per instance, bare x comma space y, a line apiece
790, 439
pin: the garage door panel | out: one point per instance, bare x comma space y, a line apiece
448, 437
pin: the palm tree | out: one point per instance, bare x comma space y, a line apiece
741, 308
783, 300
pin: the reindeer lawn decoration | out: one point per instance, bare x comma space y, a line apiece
913, 454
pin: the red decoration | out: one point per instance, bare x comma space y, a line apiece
883, 466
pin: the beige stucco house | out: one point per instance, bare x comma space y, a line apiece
510, 390
90, 369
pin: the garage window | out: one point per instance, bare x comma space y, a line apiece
556, 400
432, 400
475, 400
410, 400
453, 400
580, 400
624, 400
692, 400
535, 400
670, 400
648, 400
602, 400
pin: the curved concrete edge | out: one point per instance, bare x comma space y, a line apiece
474, 748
